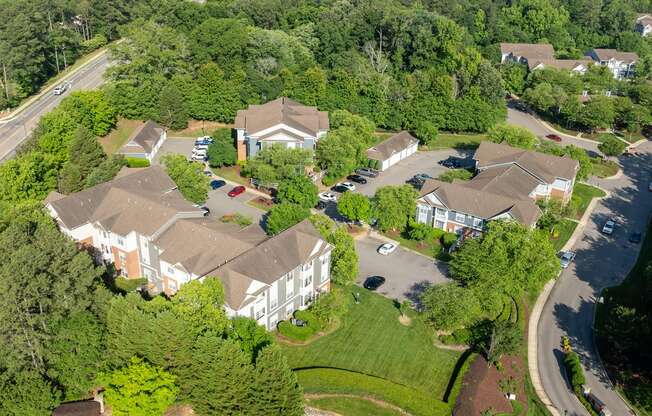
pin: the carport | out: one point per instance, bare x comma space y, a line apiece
393, 150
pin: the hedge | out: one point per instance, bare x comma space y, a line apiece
575, 371
448, 239
137, 162
300, 333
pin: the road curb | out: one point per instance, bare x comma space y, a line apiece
379, 236
547, 125
48, 89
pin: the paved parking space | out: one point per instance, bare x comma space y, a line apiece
407, 273
221, 204
177, 145
420, 162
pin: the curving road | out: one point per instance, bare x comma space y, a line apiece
14, 132
601, 262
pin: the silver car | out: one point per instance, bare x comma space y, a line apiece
565, 258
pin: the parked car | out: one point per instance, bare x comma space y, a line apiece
635, 238
373, 282
553, 137
208, 173
451, 162
565, 258
417, 183
236, 191
357, 178
608, 227
199, 157
321, 205
217, 184
423, 177
348, 185
200, 147
387, 249
327, 197
60, 89
203, 208
204, 139
339, 188
369, 172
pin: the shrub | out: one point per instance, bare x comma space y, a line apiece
612, 146
237, 218
329, 180
93, 43
421, 232
137, 162
284, 216
448, 239
461, 174
300, 333
575, 371
329, 306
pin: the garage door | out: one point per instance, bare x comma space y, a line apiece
412, 149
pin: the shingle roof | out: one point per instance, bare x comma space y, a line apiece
141, 201
79, 408
644, 19
282, 111
509, 180
569, 64
143, 139
529, 50
385, 149
464, 199
607, 54
281, 254
543, 166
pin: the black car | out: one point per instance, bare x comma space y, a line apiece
339, 188
416, 182
216, 184
451, 163
373, 282
357, 179
371, 173
635, 238
321, 205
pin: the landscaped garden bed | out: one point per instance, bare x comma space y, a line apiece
262, 203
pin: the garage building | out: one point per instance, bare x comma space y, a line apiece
393, 150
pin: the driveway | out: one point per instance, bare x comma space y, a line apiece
601, 261
420, 162
407, 273
178, 145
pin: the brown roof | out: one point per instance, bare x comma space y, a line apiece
543, 166
270, 260
607, 54
569, 64
385, 149
529, 51
143, 139
509, 180
80, 408
142, 201
644, 19
462, 198
201, 245
282, 111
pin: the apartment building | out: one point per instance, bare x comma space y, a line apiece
507, 184
620, 64
141, 223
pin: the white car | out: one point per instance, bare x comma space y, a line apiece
387, 249
565, 258
608, 227
59, 89
201, 147
348, 185
328, 197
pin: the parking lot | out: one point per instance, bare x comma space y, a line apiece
407, 273
420, 162
221, 204
182, 146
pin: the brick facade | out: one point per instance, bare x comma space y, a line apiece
131, 264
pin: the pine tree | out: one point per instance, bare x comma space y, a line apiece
276, 389
70, 178
85, 151
172, 109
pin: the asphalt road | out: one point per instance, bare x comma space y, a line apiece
13, 133
601, 261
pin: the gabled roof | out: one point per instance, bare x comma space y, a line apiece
385, 149
543, 166
569, 64
462, 198
78, 408
509, 180
143, 139
270, 260
608, 54
141, 201
644, 19
529, 51
282, 110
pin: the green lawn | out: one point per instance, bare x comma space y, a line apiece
452, 174
371, 353
565, 228
427, 248
604, 168
117, 137
457, 141
585, 193
350, 406
231, 173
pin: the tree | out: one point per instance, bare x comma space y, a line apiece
85, 151
612, 146
27, 393
251, 336
188, 176
285, 215
597, 113
513, 75
344, 258
502, 337
70, 179
426, 132
106, 171
393, 206
276, 388
222, 151
323, 224
201, 305
139, 389
450, 306
172, 112
275, 163
299, 190
355, 207
514, 136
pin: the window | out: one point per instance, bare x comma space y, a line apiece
289, 310
307, 266
172, 285
440, 212
324, 260
439, 224
460, 217
171, 270
104, 233
260, 313
307, 281
422, 213
477, 222
123, 258
289, 285
273, 303
121, 241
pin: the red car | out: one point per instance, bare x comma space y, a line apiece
236, 191
554, 137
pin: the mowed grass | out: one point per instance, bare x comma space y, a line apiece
351, 406
117, 137
604, 168
371, 341
566, 227
586, 193
457, 141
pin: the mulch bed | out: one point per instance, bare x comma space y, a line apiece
266, 202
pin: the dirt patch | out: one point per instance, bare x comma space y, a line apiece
481, 387
261, 203
117, 137
355, 230
195, 126
405, 320
180, 410
369, 398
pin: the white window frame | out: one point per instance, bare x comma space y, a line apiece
477, 222
171, 270
289, 310
289, 285
458, 216
120, 241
